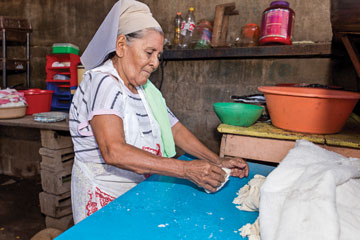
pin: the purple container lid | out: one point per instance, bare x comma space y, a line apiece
283, 3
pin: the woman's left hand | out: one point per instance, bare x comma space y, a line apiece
239, 167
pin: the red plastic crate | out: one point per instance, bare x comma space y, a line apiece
71, 70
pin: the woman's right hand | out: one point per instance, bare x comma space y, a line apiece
204, 174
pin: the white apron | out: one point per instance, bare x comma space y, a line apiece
94, 185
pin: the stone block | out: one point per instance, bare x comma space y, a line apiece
55, 206
55, 139
62, 223
57, 160
56, 182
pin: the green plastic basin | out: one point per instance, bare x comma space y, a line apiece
238, 114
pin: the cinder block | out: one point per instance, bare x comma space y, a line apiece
55, 139
62, 223
56, 182
56, 160
55, 206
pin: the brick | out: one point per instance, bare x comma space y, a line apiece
62, 223
55, 206
55, 139
56, 160
56, 182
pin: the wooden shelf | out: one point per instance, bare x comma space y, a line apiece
15, 31
14, 64
321, 50
58, 81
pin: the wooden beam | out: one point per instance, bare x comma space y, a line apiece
267, 149
353, 53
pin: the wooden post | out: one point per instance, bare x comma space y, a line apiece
352, 51
221, 22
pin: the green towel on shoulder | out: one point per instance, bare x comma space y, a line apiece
158, 107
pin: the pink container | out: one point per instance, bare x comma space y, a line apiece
38, 100
277, 24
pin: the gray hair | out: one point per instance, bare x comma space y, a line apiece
136, 35
140, 34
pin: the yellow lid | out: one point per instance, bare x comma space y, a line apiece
191, 9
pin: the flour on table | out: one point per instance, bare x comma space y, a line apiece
252, 231
249, 195
163, 225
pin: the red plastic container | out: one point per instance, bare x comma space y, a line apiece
277, 24
70, 70
38, 100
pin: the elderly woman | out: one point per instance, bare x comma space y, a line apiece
121, 127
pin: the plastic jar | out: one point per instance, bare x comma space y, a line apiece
277, 24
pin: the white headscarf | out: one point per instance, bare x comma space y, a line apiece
126, 16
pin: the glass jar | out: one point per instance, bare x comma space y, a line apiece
203, 34
277, 24
250, 34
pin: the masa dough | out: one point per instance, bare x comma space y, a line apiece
252, 231
227, 175
248, 198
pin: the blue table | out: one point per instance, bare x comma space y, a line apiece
169, 208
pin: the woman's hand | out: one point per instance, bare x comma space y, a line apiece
204, 174
239, 167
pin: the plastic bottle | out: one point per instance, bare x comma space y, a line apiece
177, 42
277, 24
187, 28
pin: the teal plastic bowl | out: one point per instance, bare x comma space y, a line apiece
238, 114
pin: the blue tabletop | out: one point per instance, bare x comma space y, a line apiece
169, 208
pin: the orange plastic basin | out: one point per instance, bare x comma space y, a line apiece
309, 110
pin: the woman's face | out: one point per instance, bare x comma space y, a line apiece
139, 59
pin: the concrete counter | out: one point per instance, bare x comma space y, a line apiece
28, 122
21, 139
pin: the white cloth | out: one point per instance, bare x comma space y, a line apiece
136, 17
313, 194
248, 198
